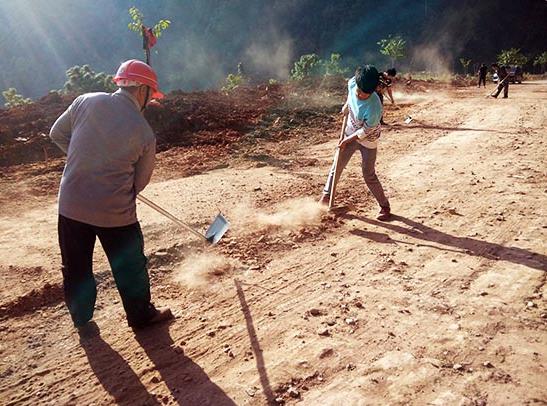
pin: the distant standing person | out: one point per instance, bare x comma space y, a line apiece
385, 82
483, 70
362, 132
110, 157
503, 80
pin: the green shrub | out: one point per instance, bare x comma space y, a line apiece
512, 56
465, 64
393, 47
541, 60
333, 66
311, 65
82, 79
13, 99
232, 82
308, 65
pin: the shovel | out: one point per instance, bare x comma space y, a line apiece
336, 156
214, 233
500, 83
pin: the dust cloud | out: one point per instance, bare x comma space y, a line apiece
272, 59
197, 271
431, 58
290, 214
401, 97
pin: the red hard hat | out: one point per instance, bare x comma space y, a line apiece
134, 73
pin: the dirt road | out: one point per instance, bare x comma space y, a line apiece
444, 305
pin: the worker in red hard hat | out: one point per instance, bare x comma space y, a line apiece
110, 151
137, 74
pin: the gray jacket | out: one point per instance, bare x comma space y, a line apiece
110, 151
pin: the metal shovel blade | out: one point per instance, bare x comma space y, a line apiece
217, 229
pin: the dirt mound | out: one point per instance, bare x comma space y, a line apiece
182, 119
47, 295
205, 118
24, 130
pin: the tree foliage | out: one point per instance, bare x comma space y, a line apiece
13, 99
393, 47
137, 21
308, 65
311, 65
465, 64
541, 60
333, 66
512, 56
82, 79
234, 80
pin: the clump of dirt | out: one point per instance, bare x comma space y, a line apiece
463, 81
199, 270
48, 295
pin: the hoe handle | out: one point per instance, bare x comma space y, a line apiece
336, 156
170, 216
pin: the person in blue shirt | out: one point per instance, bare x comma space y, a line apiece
364, 110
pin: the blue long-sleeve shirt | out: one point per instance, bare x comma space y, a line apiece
364, 116
110, 151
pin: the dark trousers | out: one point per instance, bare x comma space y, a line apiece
124, 248
505, 87
482, 79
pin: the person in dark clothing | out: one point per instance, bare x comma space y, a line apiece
483, 70
385, 81
503, 80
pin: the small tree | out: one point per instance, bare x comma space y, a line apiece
465, 64
333, 66
512, 56
233, 80
541, 61
82, 79
13, 99
137, 25
308, 65
393, 47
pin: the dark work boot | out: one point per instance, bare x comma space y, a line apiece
161, 314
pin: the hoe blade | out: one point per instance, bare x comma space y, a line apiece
217, 229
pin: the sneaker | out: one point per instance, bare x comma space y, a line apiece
325, 199
161, 315
385, 214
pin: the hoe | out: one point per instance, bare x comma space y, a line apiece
214, 233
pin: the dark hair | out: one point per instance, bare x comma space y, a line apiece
392, 72
366, 78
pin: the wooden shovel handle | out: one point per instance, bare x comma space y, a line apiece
336, 157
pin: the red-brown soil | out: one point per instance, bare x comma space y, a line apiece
444, 305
